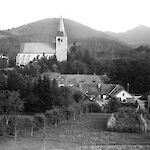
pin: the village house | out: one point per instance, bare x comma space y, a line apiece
116, 91
80, 82
92, 85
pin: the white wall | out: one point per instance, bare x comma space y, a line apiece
61, 48
24, 59
123, 95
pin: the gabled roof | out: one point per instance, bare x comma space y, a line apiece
107, 88
110, 89
126, 94
37, 48
116, 90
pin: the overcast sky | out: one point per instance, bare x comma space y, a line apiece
103, 15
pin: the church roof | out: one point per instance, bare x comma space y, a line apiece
61, 29
37, 48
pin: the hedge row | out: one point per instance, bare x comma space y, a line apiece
27, 125
127, 119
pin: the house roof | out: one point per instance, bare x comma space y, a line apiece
81, 79
110, 89
37, 48
91, 88
107, 88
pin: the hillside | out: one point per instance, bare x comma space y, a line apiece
136, 37
45, 31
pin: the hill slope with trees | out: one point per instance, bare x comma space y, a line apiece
137, 36
46, 30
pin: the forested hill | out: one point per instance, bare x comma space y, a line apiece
137, 36
45, 31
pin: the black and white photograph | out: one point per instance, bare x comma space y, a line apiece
75, 75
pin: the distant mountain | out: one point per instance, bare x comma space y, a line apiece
46, 30
136, 37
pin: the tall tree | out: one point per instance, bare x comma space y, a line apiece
10, 104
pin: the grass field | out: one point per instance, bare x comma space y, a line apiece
87, 132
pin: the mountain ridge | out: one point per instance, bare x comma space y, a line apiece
45, 31
137, 36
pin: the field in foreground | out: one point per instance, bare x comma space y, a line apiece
87, 132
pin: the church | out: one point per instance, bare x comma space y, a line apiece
30, 51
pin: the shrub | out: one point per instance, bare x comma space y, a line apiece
112, 105
24, 124
54, 116
144, 113
77, 96
126, 120
10, 130
2, 126
111, 123
38, 121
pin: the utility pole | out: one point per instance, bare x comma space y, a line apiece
128, 85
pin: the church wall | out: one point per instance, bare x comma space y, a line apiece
24, 59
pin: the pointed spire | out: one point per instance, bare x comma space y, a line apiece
61, 25
61, 29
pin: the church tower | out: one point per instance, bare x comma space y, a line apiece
61, 42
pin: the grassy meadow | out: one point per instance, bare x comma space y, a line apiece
82, 133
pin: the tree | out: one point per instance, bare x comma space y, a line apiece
74, 108
79, 67
3, 81
87, 57
10, 104
3, 63
78, 96
16, 81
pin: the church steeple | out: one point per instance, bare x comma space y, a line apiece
61, 29
61, 42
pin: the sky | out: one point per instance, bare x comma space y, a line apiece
102, 15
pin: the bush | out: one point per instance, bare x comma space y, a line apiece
38, 121
112, 105
111, 123
77, 96
125, 120
2, 126
144, 113
54, 116
24, 124
10, 129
